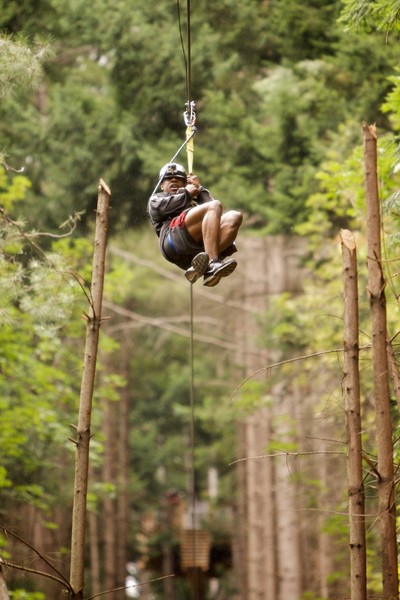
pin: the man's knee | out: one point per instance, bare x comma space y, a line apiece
234, 218
214, 206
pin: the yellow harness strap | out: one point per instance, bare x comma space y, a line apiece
190, 148
190, 119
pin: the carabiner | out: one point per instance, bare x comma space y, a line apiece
189, 115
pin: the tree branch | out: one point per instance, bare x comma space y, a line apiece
125, 587
63, 580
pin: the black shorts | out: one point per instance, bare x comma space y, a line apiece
177, 245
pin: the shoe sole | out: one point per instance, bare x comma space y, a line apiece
224, 271
199, 266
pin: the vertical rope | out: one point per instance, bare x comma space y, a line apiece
189, 55
189, 136
192, 446
189, 104
189, 141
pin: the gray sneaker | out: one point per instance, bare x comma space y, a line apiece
198, 267
216, 270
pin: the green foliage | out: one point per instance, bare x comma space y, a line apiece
300, 31
20, 63
392, 103
265, 114
25, 595
367, 15
12, 190
286, 328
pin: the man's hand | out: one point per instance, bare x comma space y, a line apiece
193, 179
192, 189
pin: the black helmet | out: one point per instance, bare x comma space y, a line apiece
172, 170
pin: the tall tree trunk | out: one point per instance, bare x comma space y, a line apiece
3, 586
167, 551
94, 553
85, 405
109, 518
376, 289
286, 515
351, 387
324, 561
240, 540
254, 539
268, 506
123, 521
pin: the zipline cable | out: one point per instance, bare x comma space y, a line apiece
190, 119
189, 115
187, 55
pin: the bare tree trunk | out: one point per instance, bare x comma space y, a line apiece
240, 533
351, 387
254, 538
123, 472
324, 561
109, 518
3, 586
167, 553
94, 553
287, 518
376, 289
268, 508
85, 405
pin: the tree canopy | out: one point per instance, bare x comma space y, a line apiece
272, 84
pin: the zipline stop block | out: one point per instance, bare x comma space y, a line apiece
195, 549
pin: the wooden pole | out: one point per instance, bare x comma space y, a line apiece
377, 298
83, 434
351, 387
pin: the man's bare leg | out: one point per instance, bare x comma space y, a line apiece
230, 225
203, 224
211, 229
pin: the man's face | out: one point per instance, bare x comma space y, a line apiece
172, 184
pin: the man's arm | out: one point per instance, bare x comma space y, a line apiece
202, 194
165, 206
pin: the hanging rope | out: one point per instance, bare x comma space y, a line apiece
189, 51
192, 450
187, 56
189, 117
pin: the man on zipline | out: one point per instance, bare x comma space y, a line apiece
195, 233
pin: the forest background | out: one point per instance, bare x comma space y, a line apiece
98, 90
